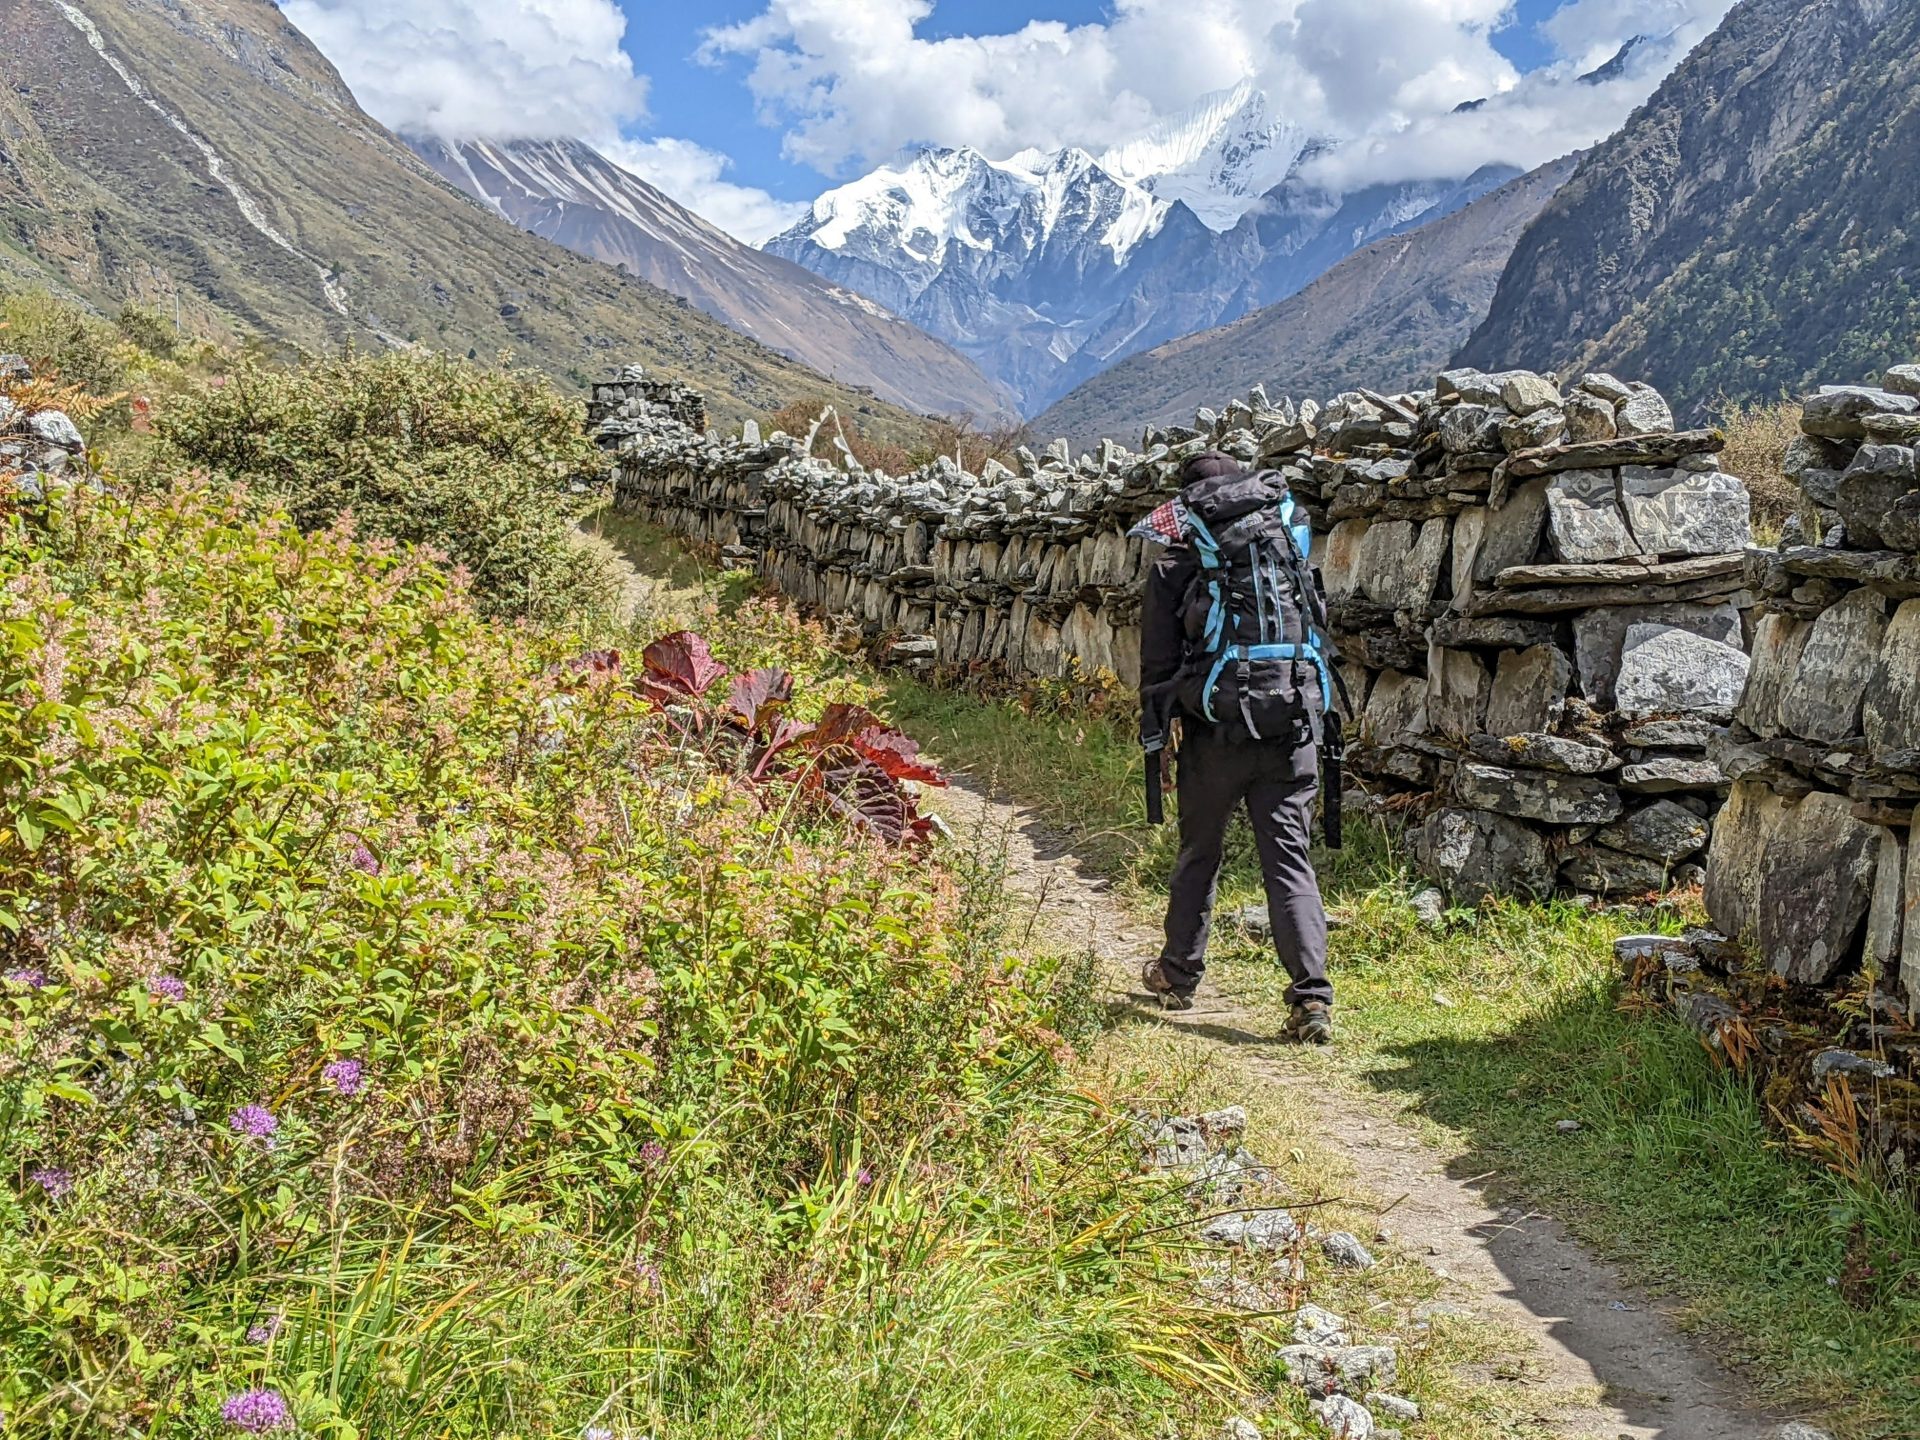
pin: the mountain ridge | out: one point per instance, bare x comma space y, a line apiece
209, 157
568, 192
1048, 267
1386, 316
1749, 231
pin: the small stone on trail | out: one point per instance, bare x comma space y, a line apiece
1567, 1127
1314, 1326
1345, 1250
1264, 1230
1799, 1430
1345, 1418
1395, 1407
1236, 1428
1440, 999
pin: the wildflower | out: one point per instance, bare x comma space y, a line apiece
255, 1411
30, 976
262, 1331
652, 1153
255, 1121
167, 987
54, 1181
648, 1274
345, 1076
360, 857
865, 1177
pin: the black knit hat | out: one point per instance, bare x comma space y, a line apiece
1210, 466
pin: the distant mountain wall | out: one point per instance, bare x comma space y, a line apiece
1752, 227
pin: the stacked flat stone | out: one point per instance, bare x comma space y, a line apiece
1539, 599
1814, 866
1538, 596
40, 448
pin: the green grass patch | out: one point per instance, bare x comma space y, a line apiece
1508, 1021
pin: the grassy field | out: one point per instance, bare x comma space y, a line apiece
1505, 1022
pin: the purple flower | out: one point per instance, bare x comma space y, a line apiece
30, 976
255, 1411
865, 1177
360, 857
255, 1121
262, 1331
648, 1274
652, 1153
345, 1076
167, 987
53, 1180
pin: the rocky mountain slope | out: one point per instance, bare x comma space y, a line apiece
208, 155
569, 193
1388, 315
1047, 268
1751, 229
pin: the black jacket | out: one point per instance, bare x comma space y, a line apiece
1163, 637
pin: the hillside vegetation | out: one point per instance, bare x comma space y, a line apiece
423, 1024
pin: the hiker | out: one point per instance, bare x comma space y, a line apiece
1233, 645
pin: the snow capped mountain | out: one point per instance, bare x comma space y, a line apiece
1048, 266
571, 194
1218, 159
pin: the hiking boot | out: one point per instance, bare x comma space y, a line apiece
1171, 998
1311, 1023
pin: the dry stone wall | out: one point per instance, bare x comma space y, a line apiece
1539, 596
1815, 868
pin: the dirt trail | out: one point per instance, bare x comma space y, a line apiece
1594, 1334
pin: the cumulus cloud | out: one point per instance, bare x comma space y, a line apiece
505, 69
854, 82
694, 176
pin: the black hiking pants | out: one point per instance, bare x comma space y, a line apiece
1278, 783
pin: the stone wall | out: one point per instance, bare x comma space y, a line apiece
1815, 867
1539, 596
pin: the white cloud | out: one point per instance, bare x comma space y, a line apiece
855, 83
692, 175
1547, 114
504, 69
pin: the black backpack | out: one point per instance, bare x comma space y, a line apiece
1259, 661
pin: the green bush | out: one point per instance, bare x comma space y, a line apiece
490, 467
406, 1019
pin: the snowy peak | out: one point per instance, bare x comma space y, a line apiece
1219, 158
944, 198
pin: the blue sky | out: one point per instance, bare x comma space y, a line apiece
745, 110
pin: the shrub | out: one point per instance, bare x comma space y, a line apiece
399, 1009
492, 468
1757, 440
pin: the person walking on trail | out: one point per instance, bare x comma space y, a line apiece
1234, 646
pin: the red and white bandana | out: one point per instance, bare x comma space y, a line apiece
1165, 526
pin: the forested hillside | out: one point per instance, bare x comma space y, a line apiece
1751, 230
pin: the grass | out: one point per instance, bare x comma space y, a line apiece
1507, 1022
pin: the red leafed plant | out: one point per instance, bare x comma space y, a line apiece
851, 762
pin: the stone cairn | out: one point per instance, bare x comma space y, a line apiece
1538, 596
1814, 873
